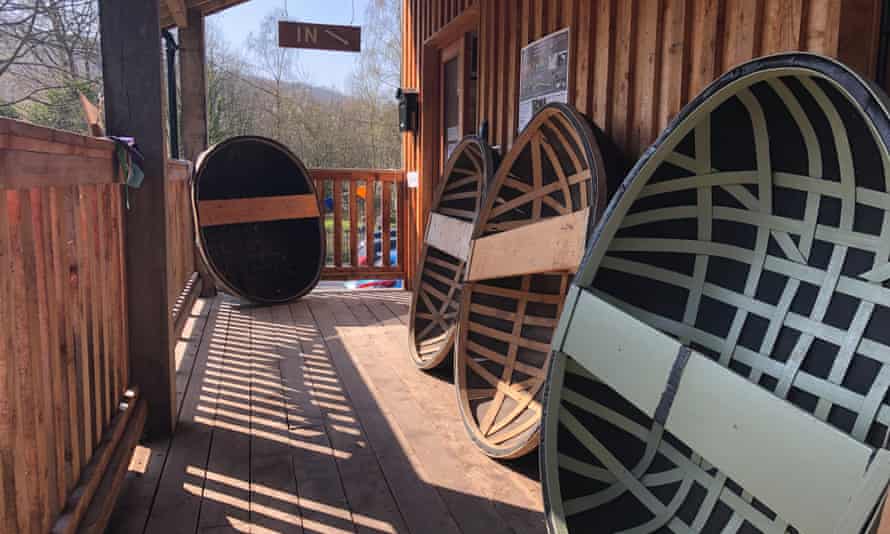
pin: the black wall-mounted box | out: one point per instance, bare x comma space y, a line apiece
407, 109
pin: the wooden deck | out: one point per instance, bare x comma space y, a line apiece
310, 417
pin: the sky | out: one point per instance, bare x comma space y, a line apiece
326, 69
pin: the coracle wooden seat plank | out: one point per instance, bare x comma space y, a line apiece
445, 251
262, 209
741, 380
558, 246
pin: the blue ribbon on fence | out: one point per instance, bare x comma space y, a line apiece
130, 161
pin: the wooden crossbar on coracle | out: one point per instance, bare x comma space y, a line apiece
439, 279
527, 241
723, 359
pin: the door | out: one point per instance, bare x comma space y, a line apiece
457, 87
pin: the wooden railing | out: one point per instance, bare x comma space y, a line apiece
364, 218
66, 413
182, 278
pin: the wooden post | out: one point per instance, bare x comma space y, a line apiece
131, 61
192, 75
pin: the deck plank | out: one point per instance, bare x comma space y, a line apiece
355, 434
226, 494
432, 455
514, 491
153, 459
309, 417
322, 502
274, 504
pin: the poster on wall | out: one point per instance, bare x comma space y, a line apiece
543, 74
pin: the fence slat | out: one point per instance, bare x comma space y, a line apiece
84, 326
66, 414
385, 214
402, 229
123, 361
8, 492
370, 221
337, 197
31, 494
353, 223
46, 439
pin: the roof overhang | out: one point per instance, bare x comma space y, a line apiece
173, 12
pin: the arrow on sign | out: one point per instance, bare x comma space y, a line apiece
337, 37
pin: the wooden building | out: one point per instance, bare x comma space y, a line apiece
633, 63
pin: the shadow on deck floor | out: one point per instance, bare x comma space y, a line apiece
309, 417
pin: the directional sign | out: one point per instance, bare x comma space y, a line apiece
319, 36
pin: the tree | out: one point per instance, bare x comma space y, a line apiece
49, 49
60, 107
278, 65
375, 80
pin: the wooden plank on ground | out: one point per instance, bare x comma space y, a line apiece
175, 508
371, 474
322, 502
514, 483
274, 504
227, 476
465, 479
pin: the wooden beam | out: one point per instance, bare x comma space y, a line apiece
81, 496
177, 11
131, 61
193, 82
192, 64
102, 506
260, 209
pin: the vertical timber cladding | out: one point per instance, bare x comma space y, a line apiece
635, 63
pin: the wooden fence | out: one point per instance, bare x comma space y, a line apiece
364, 214
183, 284
65, 406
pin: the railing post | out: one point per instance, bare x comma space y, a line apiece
194, 110
131, 64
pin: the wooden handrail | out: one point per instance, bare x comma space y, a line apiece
390, 175
33, 156
179, 170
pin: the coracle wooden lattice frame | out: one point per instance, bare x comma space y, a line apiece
435, 303
528, 240
755, 236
